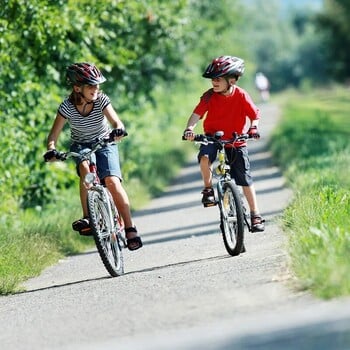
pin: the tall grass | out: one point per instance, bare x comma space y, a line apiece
311, 145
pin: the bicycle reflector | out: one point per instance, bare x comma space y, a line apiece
90, 178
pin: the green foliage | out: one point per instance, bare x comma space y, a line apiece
218, 29
288, 48
311, 144
35, 240
312, 126
147, 51
320, 240
15, 265
334, 23
136, 43
139, 45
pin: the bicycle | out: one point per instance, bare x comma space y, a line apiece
233, 213
105, 222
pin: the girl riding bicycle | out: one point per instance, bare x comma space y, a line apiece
226, 107
89, 113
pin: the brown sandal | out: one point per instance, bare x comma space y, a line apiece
135, 242
257, 223
82, 226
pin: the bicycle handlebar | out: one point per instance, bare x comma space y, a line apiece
65, 155
205, 139
99, 144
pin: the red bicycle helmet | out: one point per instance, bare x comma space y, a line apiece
84, 73
224, 66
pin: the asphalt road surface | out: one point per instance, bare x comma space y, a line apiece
181, 290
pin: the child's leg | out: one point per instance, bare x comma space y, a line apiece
249, 193
257, 222
205, 167
208, 198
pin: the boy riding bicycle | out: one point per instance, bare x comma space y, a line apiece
226, 108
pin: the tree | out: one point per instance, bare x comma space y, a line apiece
334, 23
136, 43
285, 44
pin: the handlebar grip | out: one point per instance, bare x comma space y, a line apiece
200, 138
242, 137
61, 156
52, 153
117, 133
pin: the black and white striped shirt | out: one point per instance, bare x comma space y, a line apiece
86, 129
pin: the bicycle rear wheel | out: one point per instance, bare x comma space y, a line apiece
232, 218
106, 238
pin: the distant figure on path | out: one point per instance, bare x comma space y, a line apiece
263, 86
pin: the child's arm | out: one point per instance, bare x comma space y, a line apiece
191, 123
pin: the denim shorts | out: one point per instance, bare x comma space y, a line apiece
238, 159
106, 159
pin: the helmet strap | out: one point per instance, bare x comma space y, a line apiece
229, 86
78, 97
85, 99
83, 96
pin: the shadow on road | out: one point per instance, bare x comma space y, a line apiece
149, 269
181, 263
179, 206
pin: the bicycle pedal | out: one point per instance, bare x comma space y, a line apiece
206, 205
85, 232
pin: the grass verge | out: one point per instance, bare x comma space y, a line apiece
31, 241
311, 145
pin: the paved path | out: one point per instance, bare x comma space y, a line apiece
182, 290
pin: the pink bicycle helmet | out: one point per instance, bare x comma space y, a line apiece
224, 66
84, 73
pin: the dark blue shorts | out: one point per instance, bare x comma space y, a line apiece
106, 159
238, 159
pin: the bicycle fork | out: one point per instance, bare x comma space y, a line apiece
220, 198
245, 215
222, 204
115, 224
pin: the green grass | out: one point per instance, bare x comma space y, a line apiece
24, 254
311, 146
32, 240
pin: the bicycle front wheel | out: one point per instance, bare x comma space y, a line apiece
106, 235
232, 218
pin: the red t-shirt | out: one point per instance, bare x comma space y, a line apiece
226, 113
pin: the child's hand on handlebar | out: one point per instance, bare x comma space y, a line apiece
253, 132
50, 155
188, 135
117, 134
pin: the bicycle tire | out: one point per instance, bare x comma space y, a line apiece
231, 218
106, 239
